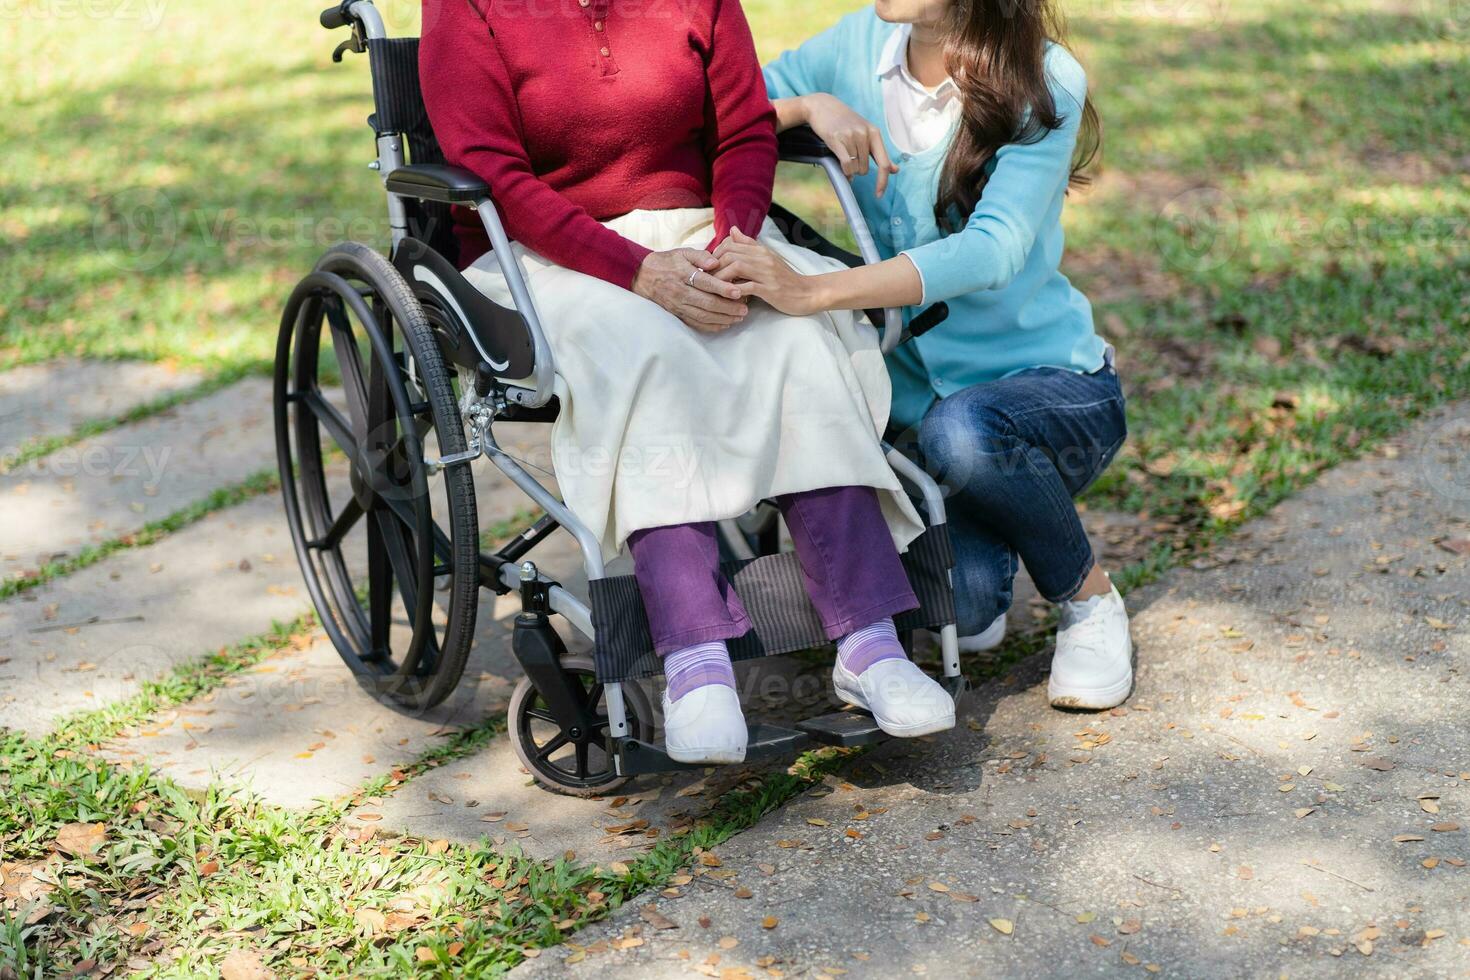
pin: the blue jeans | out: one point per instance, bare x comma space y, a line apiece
1011, 455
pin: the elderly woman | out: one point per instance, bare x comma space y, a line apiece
622, 142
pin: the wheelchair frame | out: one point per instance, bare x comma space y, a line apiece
630, 747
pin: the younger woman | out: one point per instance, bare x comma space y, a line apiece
978, 121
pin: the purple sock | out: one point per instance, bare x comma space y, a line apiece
862, 648
696, 666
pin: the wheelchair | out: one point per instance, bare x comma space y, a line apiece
395, 368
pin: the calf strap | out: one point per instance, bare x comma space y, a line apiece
774, 594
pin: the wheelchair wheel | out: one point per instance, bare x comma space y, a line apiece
360, 385
563, 764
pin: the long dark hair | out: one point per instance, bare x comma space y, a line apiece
995, 50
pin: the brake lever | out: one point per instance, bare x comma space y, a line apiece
348, 45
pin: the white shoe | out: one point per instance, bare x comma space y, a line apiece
988, 639
904, 700
1093, 665
705, 725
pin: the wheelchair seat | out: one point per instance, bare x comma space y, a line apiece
391, 372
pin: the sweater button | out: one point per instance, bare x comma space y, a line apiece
604, 52
583, 3
597, 25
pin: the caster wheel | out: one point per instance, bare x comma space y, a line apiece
563, 764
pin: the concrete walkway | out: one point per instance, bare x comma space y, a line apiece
1285, 794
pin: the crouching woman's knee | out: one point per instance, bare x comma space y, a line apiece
970, 447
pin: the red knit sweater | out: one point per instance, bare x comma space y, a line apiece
576, 111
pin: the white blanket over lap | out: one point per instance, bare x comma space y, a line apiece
661, 424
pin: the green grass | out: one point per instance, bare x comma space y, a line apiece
1278, 244
212, 873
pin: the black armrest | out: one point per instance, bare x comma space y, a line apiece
801, 143
435, 182
927, 319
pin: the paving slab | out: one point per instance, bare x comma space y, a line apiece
1287, 792
298, 727
38, 401
84, 640
114, 483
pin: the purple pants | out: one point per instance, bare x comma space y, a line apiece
852, 571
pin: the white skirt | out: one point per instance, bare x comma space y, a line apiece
661, 424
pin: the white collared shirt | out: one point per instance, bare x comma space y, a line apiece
918, 117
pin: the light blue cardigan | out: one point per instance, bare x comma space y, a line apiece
1010, 308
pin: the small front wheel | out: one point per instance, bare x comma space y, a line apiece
573, 766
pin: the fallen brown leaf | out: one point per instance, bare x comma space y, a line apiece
81, 838
655, 918
244, 964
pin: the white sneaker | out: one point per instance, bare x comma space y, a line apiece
904, 700
705, 725
1093, 665
988, 639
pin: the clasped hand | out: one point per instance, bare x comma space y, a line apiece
709, 292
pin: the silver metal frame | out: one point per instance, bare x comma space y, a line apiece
867, 245
539, 392
537, 389
907, 469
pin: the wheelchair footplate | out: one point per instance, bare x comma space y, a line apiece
848, 729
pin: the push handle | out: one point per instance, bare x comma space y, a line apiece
334, 17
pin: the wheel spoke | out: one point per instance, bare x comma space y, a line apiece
544, 753
344, 522
337, 427
398, 544
380, 589
403, 511
349, 361
583, 769
541, 715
